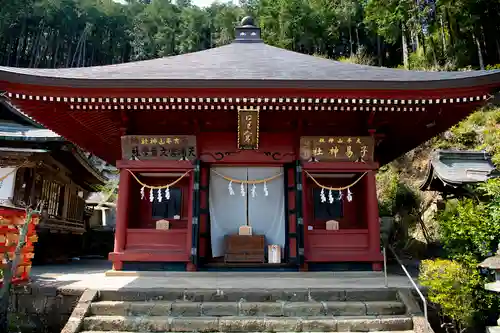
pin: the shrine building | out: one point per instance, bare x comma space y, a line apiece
246, 155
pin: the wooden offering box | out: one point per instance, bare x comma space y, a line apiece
244, 248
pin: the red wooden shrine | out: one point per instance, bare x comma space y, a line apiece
247, 105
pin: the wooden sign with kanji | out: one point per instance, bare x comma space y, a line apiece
165, 147
248, 128
337, 148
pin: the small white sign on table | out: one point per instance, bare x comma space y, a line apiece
274, 254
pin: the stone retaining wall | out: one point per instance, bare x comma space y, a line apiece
41, 308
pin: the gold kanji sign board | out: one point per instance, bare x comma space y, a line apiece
159, 147
337, 148
248, 128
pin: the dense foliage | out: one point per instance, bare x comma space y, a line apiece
469, 230
480, 131
422, 34
452, 285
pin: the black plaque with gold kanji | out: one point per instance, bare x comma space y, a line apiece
248, 128
337, 148
159, 147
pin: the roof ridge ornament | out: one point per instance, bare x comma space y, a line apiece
247, 32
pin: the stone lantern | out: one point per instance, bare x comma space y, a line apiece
493, 264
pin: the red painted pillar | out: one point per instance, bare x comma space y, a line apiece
190, 267
373, 217
305, 214
122, 216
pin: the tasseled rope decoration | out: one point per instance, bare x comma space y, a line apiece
349, 195
242, 190
152, 188
322, 195
230, 188
246, 182
254, 191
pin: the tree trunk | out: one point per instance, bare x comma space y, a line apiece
68, 55
91, 63
483, 40
379, 51
56, 52
35, 47
24, 50
9, 51
9, 273
20, 43
422, 43
498, 49
433, 50
443, 37
79, 48
357, 38
406, 62
479, 51
415, 41
450, 30
350, 37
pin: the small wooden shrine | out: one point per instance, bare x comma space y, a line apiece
36, 165
246, 154
451, 171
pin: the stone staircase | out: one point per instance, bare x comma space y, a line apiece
248, 311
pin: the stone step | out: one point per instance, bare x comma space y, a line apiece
247, 324
269, 309
230, 332
250, 295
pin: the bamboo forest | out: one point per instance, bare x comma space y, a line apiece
421, 34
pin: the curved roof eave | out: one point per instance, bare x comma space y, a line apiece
247, 65
468, 82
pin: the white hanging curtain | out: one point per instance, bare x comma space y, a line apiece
267, 213
228, 212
